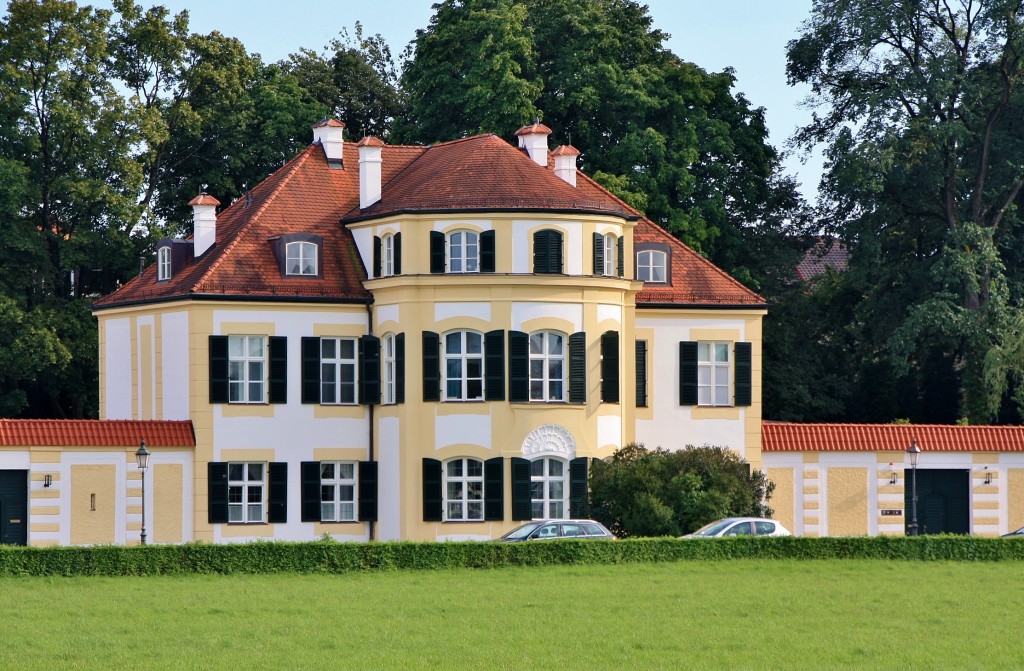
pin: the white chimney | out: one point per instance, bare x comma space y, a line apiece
534, 139
370, 149
565, 163
204, 223
330, 134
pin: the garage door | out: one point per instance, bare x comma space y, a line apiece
943, 501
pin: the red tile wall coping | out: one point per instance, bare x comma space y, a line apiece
793, 437
95, 433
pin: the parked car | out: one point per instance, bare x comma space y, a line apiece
550, 529
1019, 533
740, 526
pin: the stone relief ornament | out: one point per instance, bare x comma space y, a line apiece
549, 439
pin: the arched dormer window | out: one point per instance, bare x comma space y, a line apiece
301, 258
652, 263
163, 264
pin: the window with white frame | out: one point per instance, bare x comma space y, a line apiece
463, 252
246, 489
301, 258
388, 368
387, 256
247, 366
651, 265
337, 491
611, 249
338, 364
547, 366
714, 370
463, 366
548, 488
464, 490
163, 264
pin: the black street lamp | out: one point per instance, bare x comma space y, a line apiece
142, 459
915, 453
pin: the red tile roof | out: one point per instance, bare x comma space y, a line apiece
791, 437
535, 127
204, 199
95, 433
826, 253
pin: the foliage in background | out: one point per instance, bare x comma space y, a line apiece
641, 492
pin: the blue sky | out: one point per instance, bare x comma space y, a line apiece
748, 35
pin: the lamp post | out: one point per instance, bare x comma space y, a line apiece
142, 459
915, 453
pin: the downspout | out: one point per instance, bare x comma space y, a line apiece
369, 408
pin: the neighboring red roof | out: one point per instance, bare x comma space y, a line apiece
826, 253
791, 437
95, 433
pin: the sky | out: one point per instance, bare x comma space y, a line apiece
749, 36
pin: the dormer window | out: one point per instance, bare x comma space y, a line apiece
652, 263
163, 264
301, 258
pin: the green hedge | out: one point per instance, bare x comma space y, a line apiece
333, 557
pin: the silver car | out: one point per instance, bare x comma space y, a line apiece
740, 526
552, 529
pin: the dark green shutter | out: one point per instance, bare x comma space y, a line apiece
218, 369
521, 500
431, 366
610, 367
217, 492
741, 385
494, 490
309, 472
579, 500
688, 373
400, 368
278, 492
437, 252
494, 366
487, 252
432, 503
311, 370
376, 257
541, 252
278, 369
578, 368
369, 370
397, 254
367, 491
554, 252
518, 367
622, 256
598, 254
641, 373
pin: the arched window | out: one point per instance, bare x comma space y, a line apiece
548, 488
301, 259
611, 248
463, 366
547, 366
387, 257
464, 490
651, 266
388, 368
163, 264
463, 252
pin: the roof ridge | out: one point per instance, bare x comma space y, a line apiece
295, 163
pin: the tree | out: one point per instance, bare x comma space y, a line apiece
641, 492
921, 104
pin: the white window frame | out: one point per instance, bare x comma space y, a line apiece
462, 251
334, 366
649, 262
714, 373
163, 264
545, 504
339, 494
245, 510
464, 490
246, 382
387, 255
611, 252
463, 360
545, 358
388, 368
299, 253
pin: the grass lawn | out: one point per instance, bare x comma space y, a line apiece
854, 614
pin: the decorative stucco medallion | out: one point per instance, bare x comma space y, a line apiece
550, 439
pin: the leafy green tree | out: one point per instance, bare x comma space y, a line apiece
641, 492
920, 114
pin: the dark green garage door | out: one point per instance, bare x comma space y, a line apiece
14, 507
943, 501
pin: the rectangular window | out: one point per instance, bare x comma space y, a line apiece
246, 488
651, 266
610, 249
163, 264
547, 367
464, 490
464, 366
547, 489
247, 365
338, 364
337, 491
463, 252
714, 370
388, 372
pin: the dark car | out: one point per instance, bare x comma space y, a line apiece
551, 529
1019, 533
